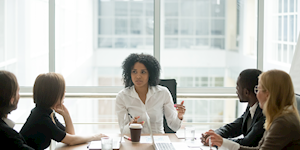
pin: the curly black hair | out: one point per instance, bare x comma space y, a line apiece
150, 63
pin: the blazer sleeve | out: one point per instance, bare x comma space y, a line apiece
233, 129
254, 135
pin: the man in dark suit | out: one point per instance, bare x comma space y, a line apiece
9, 98
251, 123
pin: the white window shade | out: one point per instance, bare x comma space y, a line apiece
295, 68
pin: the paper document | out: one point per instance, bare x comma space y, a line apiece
157, 139
96, 145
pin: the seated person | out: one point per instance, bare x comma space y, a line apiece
143, 96
275, 93
41, 126
250, 124
9, 98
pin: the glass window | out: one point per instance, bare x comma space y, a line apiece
282, 23
171, 27
187, 8
107, 8
187, 27
292, 5
218, 8
217, 27
104, 25
136, 26
24, 39
171, 8
136, 8
202, 9
207, 37
123, 27
291, 53
291, 29
121, 8
202, 27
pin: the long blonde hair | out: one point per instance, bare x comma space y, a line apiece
281, 98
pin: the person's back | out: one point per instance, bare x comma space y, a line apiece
9, 98
283, 134
39, 129
11, 138
42, 125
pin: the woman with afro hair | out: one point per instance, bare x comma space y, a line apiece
143, 96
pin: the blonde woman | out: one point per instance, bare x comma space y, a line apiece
41, 126
275, 93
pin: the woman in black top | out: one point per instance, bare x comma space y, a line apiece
41, 125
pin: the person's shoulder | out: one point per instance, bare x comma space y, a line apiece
161, 88
288, 121
125, 91
6, 131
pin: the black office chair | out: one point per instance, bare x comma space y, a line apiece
172, 86
298, 102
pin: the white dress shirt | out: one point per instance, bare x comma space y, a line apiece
230, 145
252, 109
158, 103
9, 122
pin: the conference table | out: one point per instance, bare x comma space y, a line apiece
127, 145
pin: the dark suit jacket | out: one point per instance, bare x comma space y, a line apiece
283, 134
11, 138
239, 127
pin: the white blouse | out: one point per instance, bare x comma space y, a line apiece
158, 102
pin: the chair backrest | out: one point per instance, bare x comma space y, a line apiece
298, 102
172, 86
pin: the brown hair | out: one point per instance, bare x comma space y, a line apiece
281, 98
8, 90
48, 89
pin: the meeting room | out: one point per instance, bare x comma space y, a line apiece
149, 74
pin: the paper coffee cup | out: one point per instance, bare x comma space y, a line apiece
135, 131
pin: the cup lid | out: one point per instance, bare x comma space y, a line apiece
136, 125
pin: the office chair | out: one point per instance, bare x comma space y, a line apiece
298, 102
172, 86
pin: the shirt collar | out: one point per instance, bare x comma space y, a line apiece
9, 122
151, 91
252, 109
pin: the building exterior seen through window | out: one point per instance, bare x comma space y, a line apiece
203, 43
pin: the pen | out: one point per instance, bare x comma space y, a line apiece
88, 144
130, 116
126, 137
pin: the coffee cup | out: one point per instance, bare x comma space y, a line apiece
135, 131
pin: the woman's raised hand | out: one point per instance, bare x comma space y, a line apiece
181, 110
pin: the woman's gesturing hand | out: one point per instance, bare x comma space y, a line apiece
181, 110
